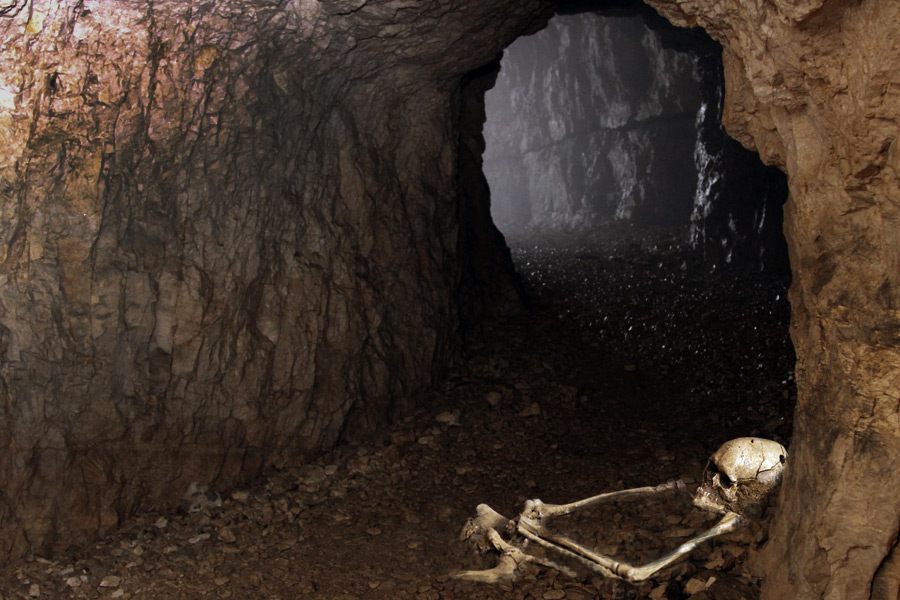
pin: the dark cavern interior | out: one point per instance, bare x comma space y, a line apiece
261, 335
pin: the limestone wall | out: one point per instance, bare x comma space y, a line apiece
592, 119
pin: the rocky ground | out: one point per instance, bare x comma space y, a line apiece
634, 365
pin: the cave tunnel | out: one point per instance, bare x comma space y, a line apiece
260, 336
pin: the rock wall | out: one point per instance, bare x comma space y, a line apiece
737, 217
592, 119
229, 236
814, 86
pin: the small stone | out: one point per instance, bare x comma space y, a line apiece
110, 581
373, 531
118, 593
34, 591
659, 591
220, 581
554, 595
331, 469
161, 523
493, 398
532, 411
226, 535
73, 582
448, 418
240, 496
695, 585
199, 538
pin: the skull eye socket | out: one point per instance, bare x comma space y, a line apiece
724, 480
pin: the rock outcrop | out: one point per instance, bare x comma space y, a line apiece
814, 87
229, 237
614, 116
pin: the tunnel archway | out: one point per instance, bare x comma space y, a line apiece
612, 117
230, 226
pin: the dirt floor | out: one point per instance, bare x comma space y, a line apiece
633, 366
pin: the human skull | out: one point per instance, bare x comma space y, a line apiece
740, 475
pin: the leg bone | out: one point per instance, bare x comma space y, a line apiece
608, 566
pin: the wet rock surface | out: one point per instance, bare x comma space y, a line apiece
633, 367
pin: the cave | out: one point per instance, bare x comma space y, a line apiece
245, 239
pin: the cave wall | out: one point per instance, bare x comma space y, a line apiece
592, 119
229, 236
737, 217
814, 87
229, 228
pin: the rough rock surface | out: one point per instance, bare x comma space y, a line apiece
616, 115
814, 86
737, 217
229, 235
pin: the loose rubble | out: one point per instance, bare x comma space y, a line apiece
545, 406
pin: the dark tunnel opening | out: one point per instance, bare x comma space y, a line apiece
633, 218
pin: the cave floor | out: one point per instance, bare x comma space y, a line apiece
633, 366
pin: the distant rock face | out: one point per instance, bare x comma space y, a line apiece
611, 117
592, 119
736, 218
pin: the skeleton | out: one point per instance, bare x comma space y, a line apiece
737, 481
